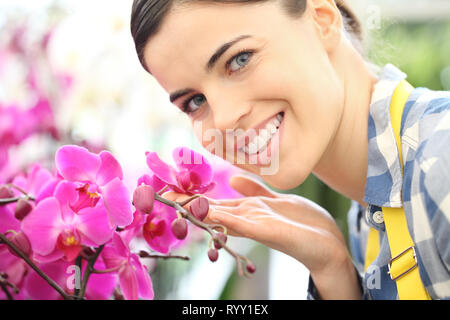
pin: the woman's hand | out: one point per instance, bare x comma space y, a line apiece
291, 224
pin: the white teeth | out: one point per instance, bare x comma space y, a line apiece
271, 128
276, 122
252, 147
260, 141
279, 117
265, 134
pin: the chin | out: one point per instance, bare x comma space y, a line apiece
285, 179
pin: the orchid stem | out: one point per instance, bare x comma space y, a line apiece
28, 197
89, 270
11, 185
6, 201
106, 270
160, 192
185, 202
208, 229
6, 291
22, 255
4, 285
145, 254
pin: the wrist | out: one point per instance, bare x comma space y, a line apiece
337, 280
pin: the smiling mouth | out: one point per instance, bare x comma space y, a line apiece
260, 140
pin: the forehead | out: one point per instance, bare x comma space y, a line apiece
190, 33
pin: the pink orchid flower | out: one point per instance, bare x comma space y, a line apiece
55, 230
17, 124
223, 171
16, 269
39, 182
101, 176
192, 175
154, 227
10, 264
99, 287
134, 279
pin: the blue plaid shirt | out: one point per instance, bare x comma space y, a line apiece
425, 136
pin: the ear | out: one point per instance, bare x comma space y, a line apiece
328, 22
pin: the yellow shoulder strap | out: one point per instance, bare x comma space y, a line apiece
403, 267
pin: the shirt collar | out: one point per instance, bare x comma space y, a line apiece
384, 173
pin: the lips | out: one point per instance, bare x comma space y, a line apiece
256, 139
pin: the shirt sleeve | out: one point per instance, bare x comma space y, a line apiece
430, 198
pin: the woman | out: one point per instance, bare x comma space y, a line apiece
294, 67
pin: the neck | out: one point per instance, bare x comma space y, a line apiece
343, 167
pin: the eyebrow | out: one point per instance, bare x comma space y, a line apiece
211, 63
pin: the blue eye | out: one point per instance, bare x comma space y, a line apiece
239, 61
194, 103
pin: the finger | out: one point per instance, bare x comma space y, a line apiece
249, 186
232, 203
177, 197
174, 196
213, 208
228, 202
236, 225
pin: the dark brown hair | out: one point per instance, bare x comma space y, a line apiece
147, 17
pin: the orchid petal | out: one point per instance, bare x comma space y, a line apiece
38, 178
7, 220
13, 266
93, 223
116, 252
162, 170
109, 169
118, 202
129, 283
153, 181
101, 286
43, 225
192, 161
54, 256
66, 194
120, 245
39, 289
77, 163
111, 257
143, 277
164, 242
47, 190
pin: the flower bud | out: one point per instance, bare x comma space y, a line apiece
179, 228
20, 240
222, 237
213, 255
143, 198
199, 208
251, 268
6, 193
23, 208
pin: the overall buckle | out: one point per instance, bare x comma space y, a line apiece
404, 252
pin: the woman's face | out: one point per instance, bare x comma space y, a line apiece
273, 65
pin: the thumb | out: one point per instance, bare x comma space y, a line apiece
249, 186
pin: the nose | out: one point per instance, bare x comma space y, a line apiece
229, 106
